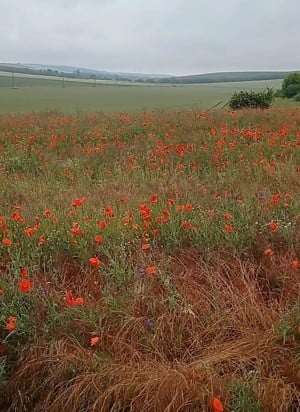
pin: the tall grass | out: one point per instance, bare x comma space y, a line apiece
150, 262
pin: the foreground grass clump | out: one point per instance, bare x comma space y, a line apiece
150, 262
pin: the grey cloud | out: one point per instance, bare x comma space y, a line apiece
169, 36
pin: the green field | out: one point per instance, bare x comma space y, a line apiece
45, 93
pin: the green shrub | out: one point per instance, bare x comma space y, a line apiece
243, 99
279, 93
292, 90
290, 79
297, 97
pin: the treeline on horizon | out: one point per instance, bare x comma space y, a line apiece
224, 77
190, 79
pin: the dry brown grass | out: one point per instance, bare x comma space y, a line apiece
222, 330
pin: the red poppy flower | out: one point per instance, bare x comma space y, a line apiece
146, 246
11, 323
151, 270
78, 202
42, 240
95, 340
94, 261
25, 285
188, 207
71, 301
17, 217
101, 224
6, 242
24, 271
98, 239
153, 199
229, 228
227, 216
186, 225
268, 252
273, 226
295, 264
29, 231
217, 405
48, 213
109, 211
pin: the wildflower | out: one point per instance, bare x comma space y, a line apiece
275, 199
142, 272
186, 225
95, 340
146, 246
71, 301
273, 226
17, 217
94, 261
3, 224
6, 242
109, 211
76, 229
1, 291
188, 207
295, 264
29, 231
42, 240
148, 323
98, 239
268, 252
101, 224
25, 285
159, 220
24, 271
47, 213
227, 216
229, 228
153, 199
217, 405
11, 323
78, 202
151, 270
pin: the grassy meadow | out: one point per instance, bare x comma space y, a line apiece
149, 261
42, 93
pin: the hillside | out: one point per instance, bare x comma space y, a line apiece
225, 77
76, 72
83, 73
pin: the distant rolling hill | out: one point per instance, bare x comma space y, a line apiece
224, 77
75, 72
82, 73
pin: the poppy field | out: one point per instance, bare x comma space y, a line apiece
150, 262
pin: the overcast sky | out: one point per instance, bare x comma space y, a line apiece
153, 36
